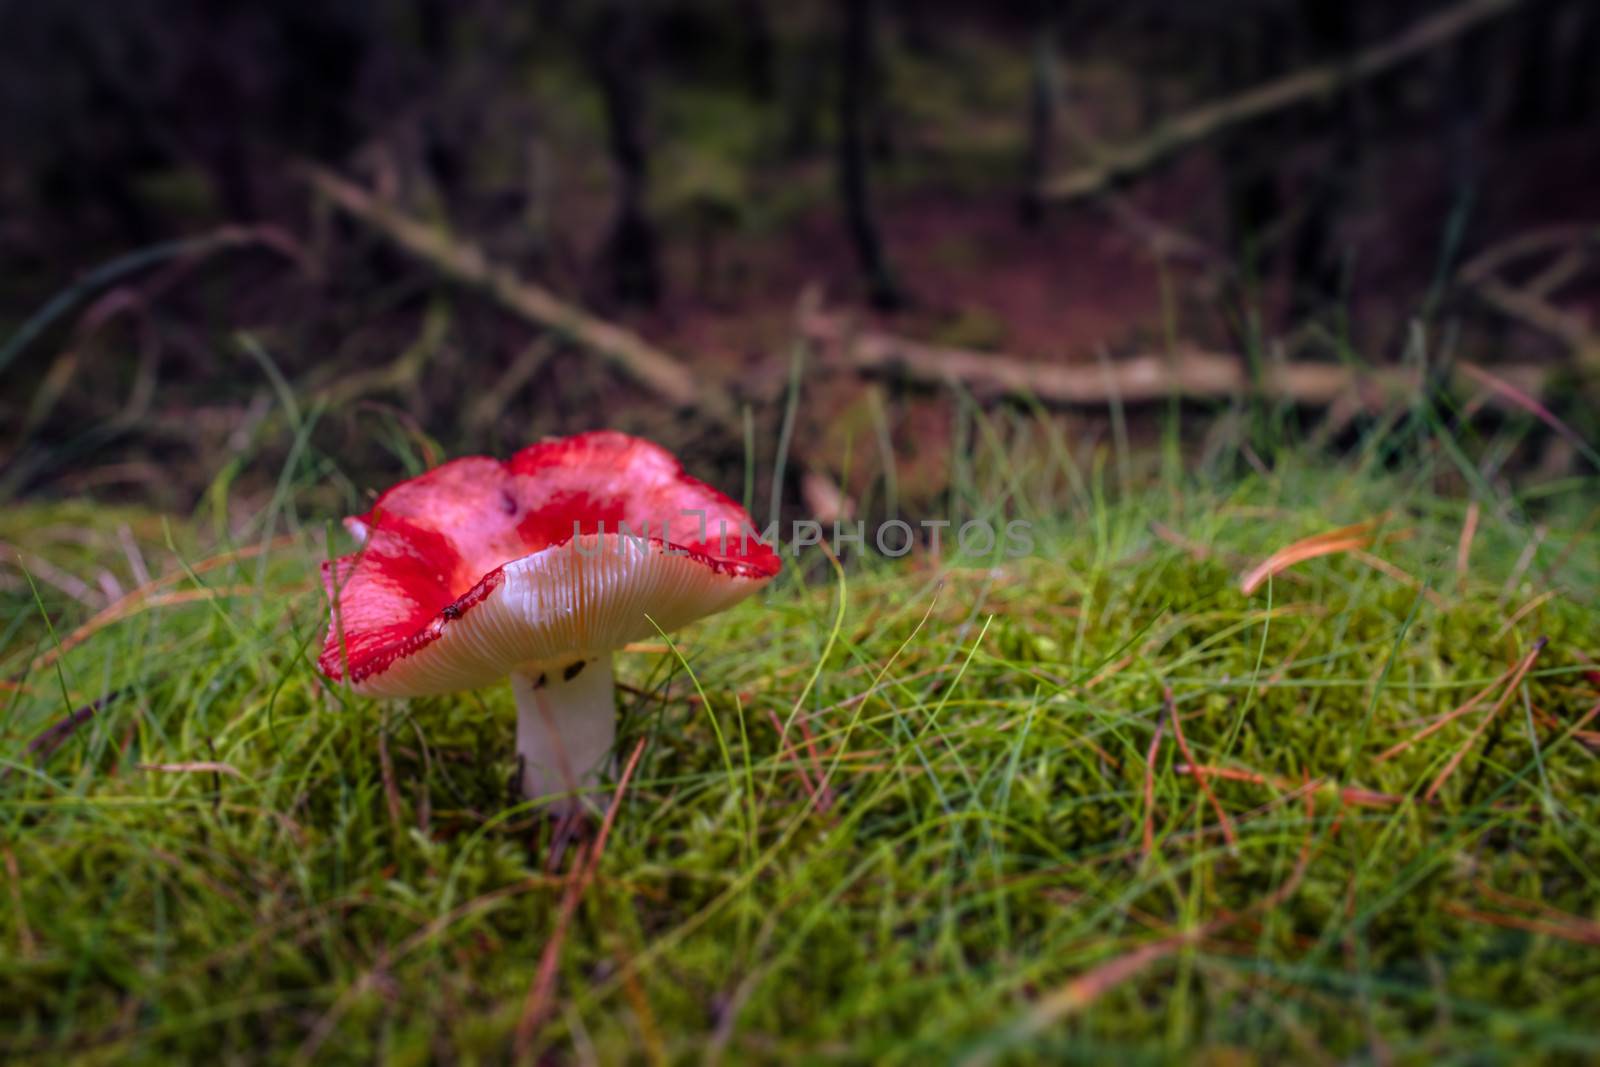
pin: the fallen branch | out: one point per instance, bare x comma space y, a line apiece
1302, 87
1530, 303
465, 263
1140, 379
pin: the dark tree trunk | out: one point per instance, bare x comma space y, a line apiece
760, 56
1534, 52
617, 41
1317, 262
1251, 153
1043, 98
1582, 97
855, 93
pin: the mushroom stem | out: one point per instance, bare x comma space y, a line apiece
566, 723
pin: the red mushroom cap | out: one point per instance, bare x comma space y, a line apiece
480, 567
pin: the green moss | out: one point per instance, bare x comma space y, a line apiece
982, 847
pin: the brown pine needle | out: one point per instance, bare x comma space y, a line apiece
1522, 612
584, 865
1540, 909
1199, 772
391, 788
1527, 403
25, 941
644, 1016
1469, 530
1349, 794
143, 597
1581, 931
193, 767
1383, 566
1330, 542
825, 794
788, 754
1505, 698
1097, 981
1150, 786
1446, 719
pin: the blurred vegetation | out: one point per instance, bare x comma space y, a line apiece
691, 168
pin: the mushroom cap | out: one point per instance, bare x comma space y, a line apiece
481, 567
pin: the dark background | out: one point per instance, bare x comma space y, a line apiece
1069, 184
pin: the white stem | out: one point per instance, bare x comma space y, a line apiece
566, 723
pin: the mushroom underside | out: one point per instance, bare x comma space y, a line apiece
551, 621
576, 601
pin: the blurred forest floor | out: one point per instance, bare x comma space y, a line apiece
1455, 191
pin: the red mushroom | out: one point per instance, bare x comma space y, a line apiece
537, 568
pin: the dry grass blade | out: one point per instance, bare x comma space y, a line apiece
1348, 794
1091, 985
143, 596
1199, 771
824, 798
1469, 530
1094, 983
1383, 566
787, 753
25, 941
1149, 839
1523, 612
1331, 542
1580, 930
537, 1005
325, 1026
51, 575
1505, 698
1529, 404
1446, 719
193, 767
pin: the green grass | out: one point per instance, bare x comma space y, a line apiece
975, 887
